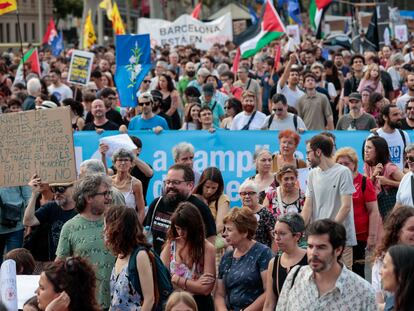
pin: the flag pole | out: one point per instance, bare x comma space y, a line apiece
21, 41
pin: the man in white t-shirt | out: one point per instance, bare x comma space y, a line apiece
291, 76
57, 88
329, 191
281, 119
404, 194
397, 139
402, 100
249, 118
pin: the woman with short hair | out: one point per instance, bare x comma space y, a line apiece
242, 275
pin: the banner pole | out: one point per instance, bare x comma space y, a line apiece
21, 41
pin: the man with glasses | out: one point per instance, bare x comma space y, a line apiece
356, 119
54, 213
178, 186
148, 120
83, 234
281, 119
145, 86
407, 123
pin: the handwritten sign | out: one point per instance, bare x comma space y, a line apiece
80, 67
36, 142
8, 289
401, 33
116, 142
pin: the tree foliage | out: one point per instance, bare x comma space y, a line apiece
66, 7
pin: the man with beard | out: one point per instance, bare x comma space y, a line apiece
291, 76
329, 191
389, 120
177, 188
340, 64
325, 284
100, 122
356, 119
402, 100
54, 213
249, 118
408, 121
313, 107
185, 79
83, 235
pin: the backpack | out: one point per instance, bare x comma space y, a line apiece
162, 278
295, 121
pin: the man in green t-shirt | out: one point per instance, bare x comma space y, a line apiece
83, 234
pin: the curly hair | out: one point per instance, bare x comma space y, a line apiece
244, 220
392, 229
289, 134
88, 187
123, 231
188, 217
76, 277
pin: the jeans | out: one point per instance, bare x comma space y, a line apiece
10, 241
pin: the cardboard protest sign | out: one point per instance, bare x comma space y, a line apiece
36, 142
80, 67
187, 30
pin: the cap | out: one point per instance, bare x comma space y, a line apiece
208, 89
47, 104
203, 72
294, 221
355, 96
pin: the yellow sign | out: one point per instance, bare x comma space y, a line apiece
7, 6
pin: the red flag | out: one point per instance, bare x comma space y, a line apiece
236, 61
320, 4
197, 11
50, 33
277, 56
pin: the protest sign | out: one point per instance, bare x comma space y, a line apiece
294, 32
187, 30
36, 142
401, 33
80, 67
116, 142
8, 290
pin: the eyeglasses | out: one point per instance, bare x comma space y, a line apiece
123, 160
144, 103
106, 193
247, 193
147, 81
173, 182
59, 189
410, 159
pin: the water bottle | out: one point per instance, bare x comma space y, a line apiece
148, 234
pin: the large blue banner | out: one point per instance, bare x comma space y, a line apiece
230, 151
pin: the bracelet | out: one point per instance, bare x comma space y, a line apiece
185, 284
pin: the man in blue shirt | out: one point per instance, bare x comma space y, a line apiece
147, 120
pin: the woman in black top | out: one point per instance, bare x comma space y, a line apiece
287, 233
171, 102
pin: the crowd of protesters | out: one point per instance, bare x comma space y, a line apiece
346, 243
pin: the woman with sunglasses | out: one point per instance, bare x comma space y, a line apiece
67, 285
232, 107
191, 119
129, 186
405, 190
288, 231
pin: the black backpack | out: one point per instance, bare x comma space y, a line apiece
295, 121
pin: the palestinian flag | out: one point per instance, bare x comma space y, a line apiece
31, 57
259, 35
316, 11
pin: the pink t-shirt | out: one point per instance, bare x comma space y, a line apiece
387, 172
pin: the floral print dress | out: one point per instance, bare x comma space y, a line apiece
123, 295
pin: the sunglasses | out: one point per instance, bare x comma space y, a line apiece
410, 159
410, 108
144, 104
58, 189
147, 81
278, 109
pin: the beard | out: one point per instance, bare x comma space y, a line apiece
395, 124
248, 108
173, 198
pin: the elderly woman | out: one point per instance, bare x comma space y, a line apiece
366, 214
129, 186
250, 199
264, 177
289, 141
404, 193
288, 231
286, 198
241, 281
384, 174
